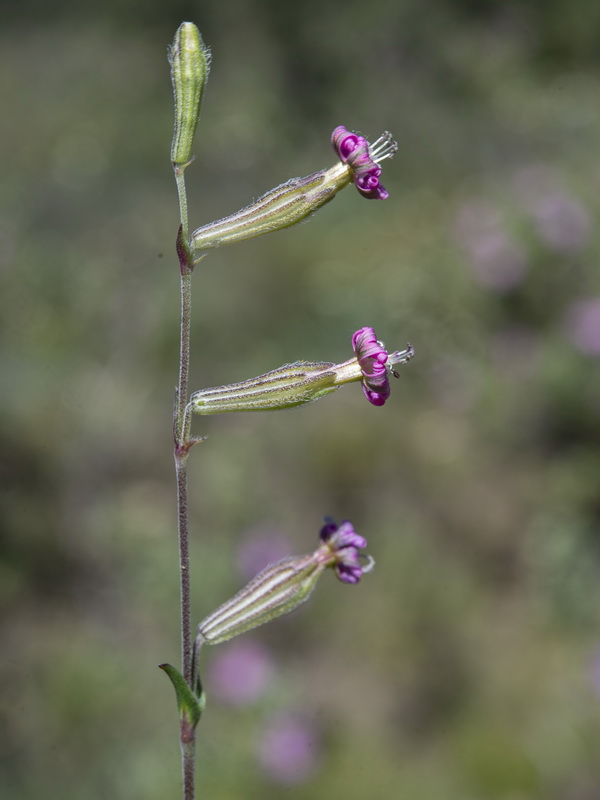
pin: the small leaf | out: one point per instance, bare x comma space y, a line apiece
189, 704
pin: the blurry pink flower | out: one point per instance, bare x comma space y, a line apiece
583, 325
562, 222
260, 546
287, 750
240, 672
497, 261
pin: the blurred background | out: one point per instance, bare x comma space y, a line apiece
467, 666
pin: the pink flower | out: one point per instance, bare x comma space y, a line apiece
344, 544
363, 159
288, 749
376, 364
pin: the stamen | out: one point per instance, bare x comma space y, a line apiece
382, 148
400, 356
369, 562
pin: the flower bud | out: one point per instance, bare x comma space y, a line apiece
190, 65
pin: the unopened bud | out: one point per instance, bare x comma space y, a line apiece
190, 64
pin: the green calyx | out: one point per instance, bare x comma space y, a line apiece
190, 64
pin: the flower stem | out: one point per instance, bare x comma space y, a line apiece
182, 446
182, 195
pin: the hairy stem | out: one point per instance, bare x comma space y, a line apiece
183, 443
188, 758
184, 568
182, 195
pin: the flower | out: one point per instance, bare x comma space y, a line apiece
288, 749
343, 543
583, 325
373, 359
363, 159
283, 586
372, 365
296, 199
304, 381
241, 672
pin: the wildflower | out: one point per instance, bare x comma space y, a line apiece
375, 363
241, 672
293, 201
282, 586
304, 381
363, 159
343, 544
288, 749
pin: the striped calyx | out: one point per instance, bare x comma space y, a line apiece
282, 586
288, 386
190, 64
276, 590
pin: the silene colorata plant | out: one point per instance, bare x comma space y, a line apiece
281, 586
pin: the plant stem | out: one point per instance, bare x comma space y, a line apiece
188, 757
184, 568
182, 195
183, 443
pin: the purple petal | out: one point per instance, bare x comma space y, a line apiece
344, 544
348, 574
328, 530
353, 150
345, 142
372, 358
346, 536
376, 398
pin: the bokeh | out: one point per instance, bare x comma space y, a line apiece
467, 665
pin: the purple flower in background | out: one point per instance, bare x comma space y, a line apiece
583, 325
240, 673
288, 749
344, 543
260, 546
562, 222
498, 262
363, 159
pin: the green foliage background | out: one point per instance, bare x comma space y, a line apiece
464, 667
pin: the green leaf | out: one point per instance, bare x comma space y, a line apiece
190, 704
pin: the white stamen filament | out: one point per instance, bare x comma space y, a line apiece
382, 148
